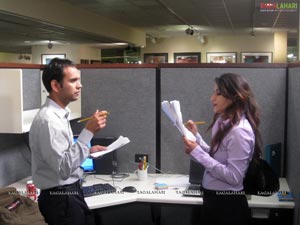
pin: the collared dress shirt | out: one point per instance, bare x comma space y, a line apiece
56, 159
226, 169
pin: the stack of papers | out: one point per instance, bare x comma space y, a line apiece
172, 110
161, 186
121, 141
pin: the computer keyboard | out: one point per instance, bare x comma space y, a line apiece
193, 190
194, 187
98, 189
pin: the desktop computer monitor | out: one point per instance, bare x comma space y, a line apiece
88, 165
108, 163
196, 172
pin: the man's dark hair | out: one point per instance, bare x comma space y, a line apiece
55, 71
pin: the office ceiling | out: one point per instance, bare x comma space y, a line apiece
158, 18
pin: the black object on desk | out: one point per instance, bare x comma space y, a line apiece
108, 163
195, 179
129, 189
98, 189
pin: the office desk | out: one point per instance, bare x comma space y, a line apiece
262, 207
146, 192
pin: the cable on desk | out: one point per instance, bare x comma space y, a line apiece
109, 180
159, 170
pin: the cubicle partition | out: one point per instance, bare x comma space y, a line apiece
193, 87
293, 134
129, 94
133, 94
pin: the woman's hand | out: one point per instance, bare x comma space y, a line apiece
189, 145
191, 126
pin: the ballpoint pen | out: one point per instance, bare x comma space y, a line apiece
88, 118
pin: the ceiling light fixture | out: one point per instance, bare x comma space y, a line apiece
153, 40
189, 31
202, 39
50, 45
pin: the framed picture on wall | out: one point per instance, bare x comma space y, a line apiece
46, 58
187, 57
94, 61
84, 61
155, 57
221, 57
256, 57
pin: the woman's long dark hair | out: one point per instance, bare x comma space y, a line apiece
236, 88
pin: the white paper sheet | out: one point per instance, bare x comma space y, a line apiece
172, 110
166, 107
121, 141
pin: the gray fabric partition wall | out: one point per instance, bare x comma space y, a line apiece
193, 88
293, 137
15, 158
31, 89
129, 95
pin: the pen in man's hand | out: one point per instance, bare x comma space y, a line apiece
88, 118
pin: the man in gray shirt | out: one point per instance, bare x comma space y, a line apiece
56, 159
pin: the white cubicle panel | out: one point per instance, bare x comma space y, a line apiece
14, 118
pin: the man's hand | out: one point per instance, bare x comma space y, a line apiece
97, 148
97, 121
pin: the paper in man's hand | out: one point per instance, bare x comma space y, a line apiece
121, 141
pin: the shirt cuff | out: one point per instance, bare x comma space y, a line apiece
198, 138
85, 136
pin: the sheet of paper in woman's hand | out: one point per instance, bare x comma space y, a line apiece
172, 110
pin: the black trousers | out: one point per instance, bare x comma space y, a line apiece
225, 208
65, 205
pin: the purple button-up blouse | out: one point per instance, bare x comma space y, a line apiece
227, 168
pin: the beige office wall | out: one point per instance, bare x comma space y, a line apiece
13, 58
280, 49
73, 52
213, 43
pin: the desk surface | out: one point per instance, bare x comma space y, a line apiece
146, 192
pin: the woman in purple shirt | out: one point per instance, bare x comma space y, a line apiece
235, 138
